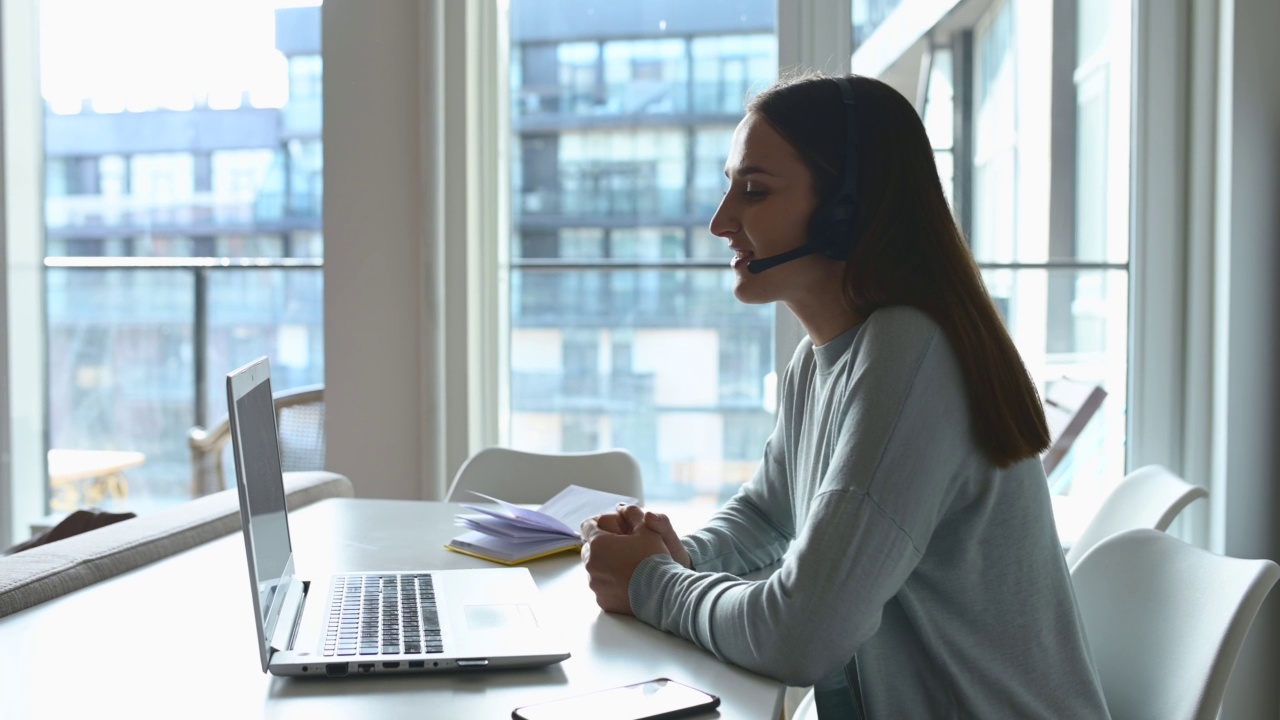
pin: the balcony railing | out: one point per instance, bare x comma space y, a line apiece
203, 209
662, 203
636, 99
139, 347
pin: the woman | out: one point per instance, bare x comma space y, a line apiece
902, 488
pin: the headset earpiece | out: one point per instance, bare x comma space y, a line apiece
831, 227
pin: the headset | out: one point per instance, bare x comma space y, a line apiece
831, 226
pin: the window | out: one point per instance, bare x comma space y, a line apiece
182, 221
624, 331
1047, 211
939, 117
869, 15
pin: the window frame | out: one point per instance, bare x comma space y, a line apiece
23, 400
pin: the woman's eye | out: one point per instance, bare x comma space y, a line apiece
752, 191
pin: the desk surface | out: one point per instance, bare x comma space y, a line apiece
104, 648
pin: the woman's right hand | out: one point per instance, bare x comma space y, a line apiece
661, 524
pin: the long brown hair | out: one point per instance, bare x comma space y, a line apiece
906, 246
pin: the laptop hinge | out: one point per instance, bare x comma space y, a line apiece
290, 615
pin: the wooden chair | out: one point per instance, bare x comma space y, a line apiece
299, 422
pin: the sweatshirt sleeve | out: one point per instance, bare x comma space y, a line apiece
753, 529
902, 438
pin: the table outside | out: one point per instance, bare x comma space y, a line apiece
83, 478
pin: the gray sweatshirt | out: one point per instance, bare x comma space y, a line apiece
912, 567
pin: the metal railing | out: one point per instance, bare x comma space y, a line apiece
200, 269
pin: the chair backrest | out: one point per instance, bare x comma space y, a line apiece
1068, 407
805, 709
1149, 497
1165, 622
525, 477
299, 422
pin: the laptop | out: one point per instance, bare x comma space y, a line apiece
396, 621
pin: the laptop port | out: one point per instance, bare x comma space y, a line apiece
335, 669
391, 665
365, 667
417, 663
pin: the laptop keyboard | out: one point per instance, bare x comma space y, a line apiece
387, 614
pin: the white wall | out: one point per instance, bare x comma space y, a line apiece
1247, 327
412, 130
374, 246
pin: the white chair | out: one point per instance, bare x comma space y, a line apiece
1149, 497
805, 710
1165, 622
525, 477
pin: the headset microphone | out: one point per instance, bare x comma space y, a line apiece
755, 267
831, 227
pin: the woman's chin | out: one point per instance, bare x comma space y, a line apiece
745, 293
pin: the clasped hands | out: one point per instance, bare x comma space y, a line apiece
616, 543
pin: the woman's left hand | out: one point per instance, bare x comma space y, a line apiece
611, 559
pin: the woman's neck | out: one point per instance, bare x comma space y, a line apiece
828, 324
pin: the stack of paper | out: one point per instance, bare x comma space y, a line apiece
512, 534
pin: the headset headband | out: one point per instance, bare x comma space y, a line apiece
848, 192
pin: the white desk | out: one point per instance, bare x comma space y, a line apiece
98, 652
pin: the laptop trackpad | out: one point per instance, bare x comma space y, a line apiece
500, 617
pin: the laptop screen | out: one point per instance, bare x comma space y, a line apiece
260, 485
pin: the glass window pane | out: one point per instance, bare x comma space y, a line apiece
939, 103
1093, 195
995, 156
868, 15
213, 151
273, 312
665, 363
1063, 290
1102, 139
1074, 324
121, 376
622, 126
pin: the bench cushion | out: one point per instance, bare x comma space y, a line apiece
42, 573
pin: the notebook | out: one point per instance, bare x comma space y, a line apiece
510, 534
396, 621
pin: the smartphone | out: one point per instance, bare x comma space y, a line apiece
658, 698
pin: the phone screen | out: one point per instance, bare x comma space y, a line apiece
653, 699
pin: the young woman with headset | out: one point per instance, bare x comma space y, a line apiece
902, 490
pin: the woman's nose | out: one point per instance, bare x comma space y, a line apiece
724, 223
